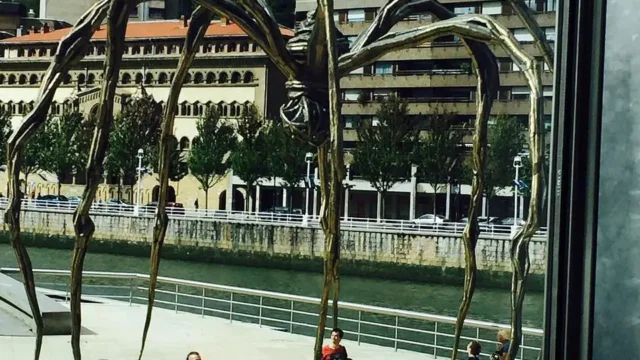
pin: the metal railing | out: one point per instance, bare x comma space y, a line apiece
279, 219
400, 329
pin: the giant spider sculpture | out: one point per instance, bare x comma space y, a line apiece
313, 61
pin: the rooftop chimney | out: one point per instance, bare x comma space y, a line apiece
19, 31
185, 21
45, 28
32, 30
224, 21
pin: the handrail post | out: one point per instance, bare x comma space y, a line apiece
395, 344
435, 341
176, 305
291, 319
203, 296
130, 291
260, 313
359, 324
231, 309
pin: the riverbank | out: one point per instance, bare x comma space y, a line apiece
295, 262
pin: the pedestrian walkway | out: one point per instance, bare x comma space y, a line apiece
114, 330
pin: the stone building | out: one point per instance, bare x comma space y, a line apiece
228, 72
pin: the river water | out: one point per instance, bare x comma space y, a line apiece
488, 304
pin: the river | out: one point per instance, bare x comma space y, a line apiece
488, 304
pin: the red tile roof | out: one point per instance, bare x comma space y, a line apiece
142, 30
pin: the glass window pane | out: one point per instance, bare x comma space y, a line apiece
492, 8
356, 15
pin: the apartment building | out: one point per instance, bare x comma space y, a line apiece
70, 11
435, 74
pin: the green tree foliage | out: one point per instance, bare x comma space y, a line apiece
506, 140
34, 158
249, 160
5, 133
440, 153
207, 160
383, 153
287, 156
136, 127
284, 11
69, 137
178, 162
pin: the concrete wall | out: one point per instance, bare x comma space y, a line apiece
376, 249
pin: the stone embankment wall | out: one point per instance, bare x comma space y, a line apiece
387, 255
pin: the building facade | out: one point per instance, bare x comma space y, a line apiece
435, 75
228, 72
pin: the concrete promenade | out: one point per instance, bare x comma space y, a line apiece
113, 331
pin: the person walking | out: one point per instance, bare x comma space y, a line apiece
196, 205
473, 349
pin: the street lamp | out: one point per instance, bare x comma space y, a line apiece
136, 209
305, 219
517, 163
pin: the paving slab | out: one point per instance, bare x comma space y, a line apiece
116, 332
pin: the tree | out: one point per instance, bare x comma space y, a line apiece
136, 127
248, 159
382, 154
506, 140
208, 151
178, 162
34, 157
440, 153
287, 157
5, 133
69, 138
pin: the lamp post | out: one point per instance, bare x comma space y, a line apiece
517, 163
136, 209
305, 218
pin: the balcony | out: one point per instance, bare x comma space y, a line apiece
455, 105
417, 78
510, 21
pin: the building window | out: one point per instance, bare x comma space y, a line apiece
235, 77
33, 79
248, 77
379, 94
198, 78
352, 94
550, 34
162, 78
351, 121
369, 14
520, 93
547, 92
384, 68
126, 78
211, 78
506, 65
356, 15
223, 78
462, 10
22, 79
492, 8
523, 35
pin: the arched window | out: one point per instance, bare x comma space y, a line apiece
223, 78
148, 79
231, 47
22, 79
126, 78
139, 78
162, 78
196, 109
135, 50
90, 51
206, 48
42, 52
67, 79
12, 79
244, 47
3, 79
126, 50
20, 108
248, 77
159, 49
10, 108
31, 52
233, 110
235, 77
101, 50
91, 79
198, 78
187, 79
183, 109
184, 143
33, 79
211, 78
218, 47
148, 50
81, 79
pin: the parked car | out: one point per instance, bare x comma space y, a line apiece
430, 220
53, 201
509, 222
115, 205
172, 208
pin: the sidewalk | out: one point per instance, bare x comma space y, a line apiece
117, 329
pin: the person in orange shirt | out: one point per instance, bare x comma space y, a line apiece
335, 351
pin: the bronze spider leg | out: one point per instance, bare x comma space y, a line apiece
200, 20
